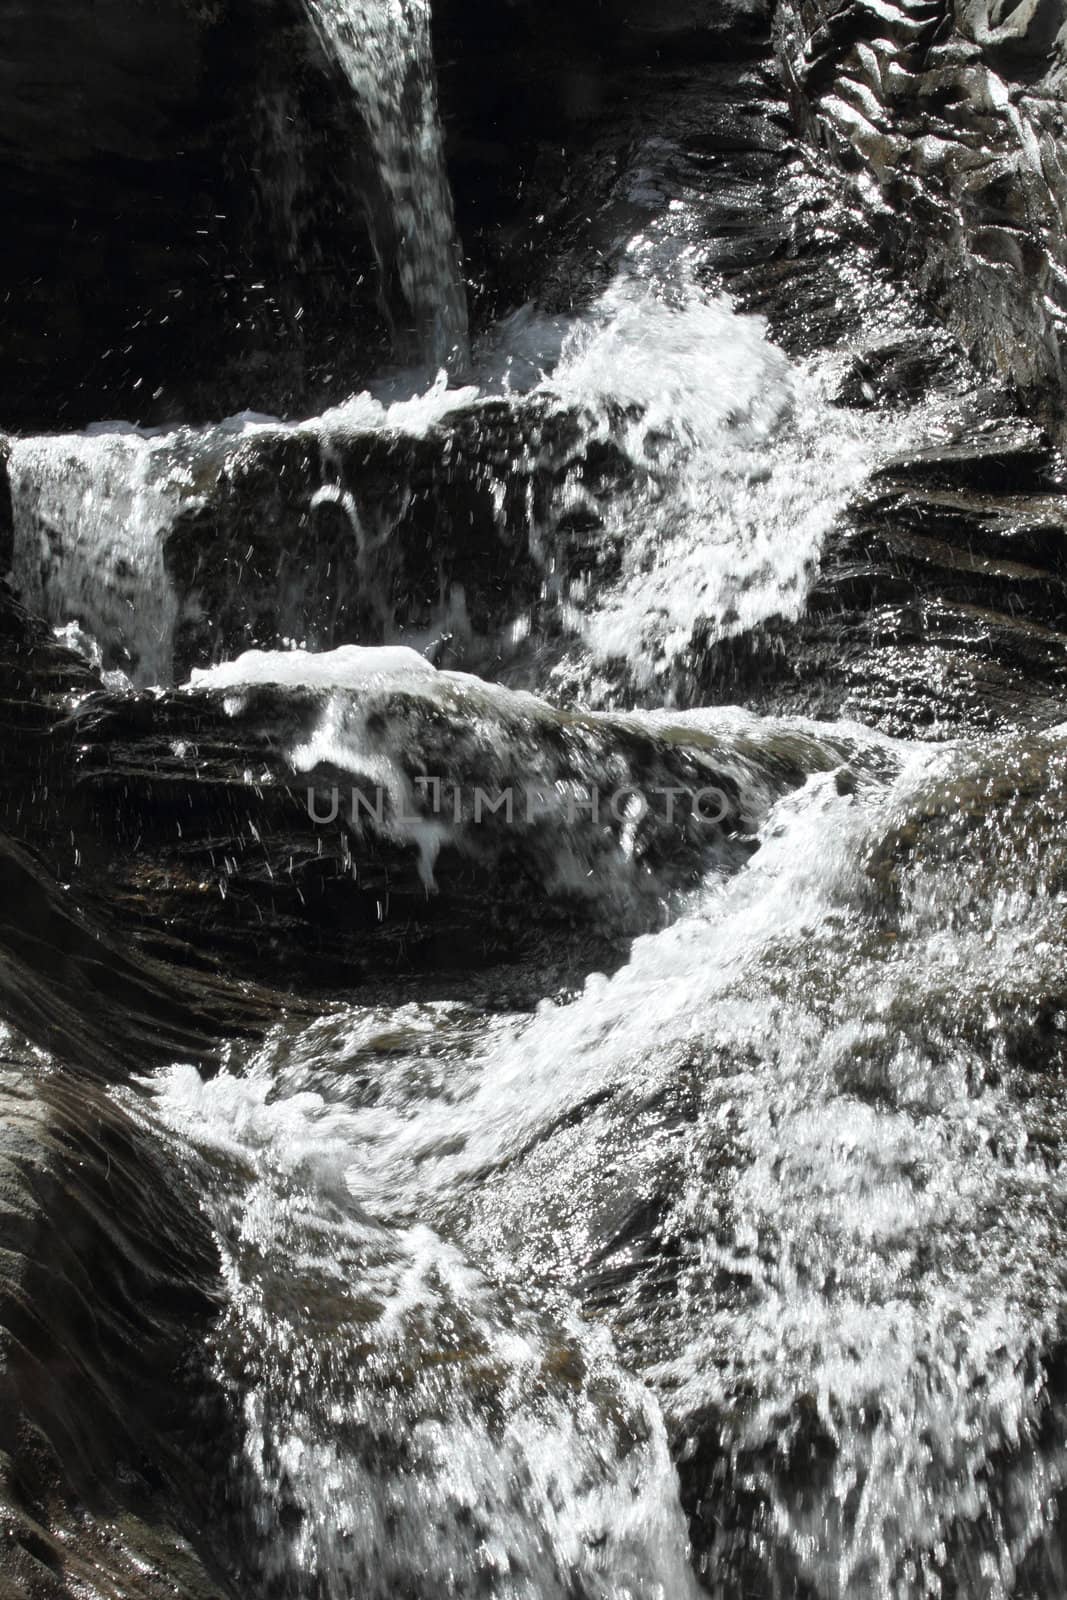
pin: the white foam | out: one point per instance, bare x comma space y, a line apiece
741, 462
352, 667
434, 1431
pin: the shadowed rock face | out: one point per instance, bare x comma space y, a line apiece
953, 120
542, 101
184, 230
107, 1285
108, 1427
68, 980
73, 985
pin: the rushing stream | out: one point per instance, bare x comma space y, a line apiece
804, 1084
733, 1271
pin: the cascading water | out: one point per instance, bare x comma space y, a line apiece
736, 1271
802, 1085
737, 461
731, 465
91, 512
416, 1427
385, 51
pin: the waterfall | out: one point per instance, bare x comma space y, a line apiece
384, 48
90, 514
604, 1201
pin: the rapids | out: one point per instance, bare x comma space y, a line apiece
854, 1262
736, 1269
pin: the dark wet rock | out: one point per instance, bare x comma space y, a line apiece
455, 536
994, 818
720, 1493
108, 1280
39, 676
567, 135
940, 605
72, 984
532, 96
954, 121
68, 980
198, 830
7, 517
332, 535
183, 227
893, 374
107, 1289
683, 21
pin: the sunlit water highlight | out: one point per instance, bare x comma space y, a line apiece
801, 1081
736, 462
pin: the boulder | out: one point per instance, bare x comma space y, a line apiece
336, 534
349, 833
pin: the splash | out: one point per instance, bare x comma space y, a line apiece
410, 1426
738, 466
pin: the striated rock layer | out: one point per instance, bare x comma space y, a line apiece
107, 1287
952, 118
